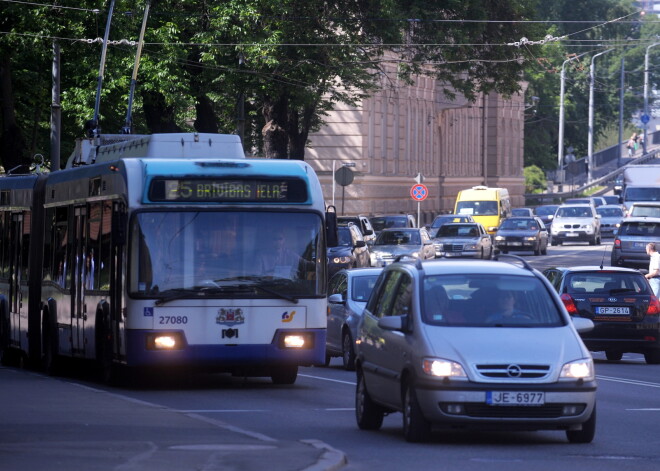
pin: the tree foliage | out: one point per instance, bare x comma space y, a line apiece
286, 63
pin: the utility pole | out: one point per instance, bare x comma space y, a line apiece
646, 89
560, 143
590, 144
621, 86
55, 112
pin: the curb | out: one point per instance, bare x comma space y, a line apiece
331, 459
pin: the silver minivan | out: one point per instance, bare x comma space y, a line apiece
473, 344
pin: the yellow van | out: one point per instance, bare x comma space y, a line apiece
489, 206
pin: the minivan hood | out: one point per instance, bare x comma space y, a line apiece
506, 345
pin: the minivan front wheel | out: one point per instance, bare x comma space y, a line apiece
586, 435
368, 414
415, 427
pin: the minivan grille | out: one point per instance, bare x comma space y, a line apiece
548, 411
513, 371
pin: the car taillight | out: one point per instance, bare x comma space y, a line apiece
569, 304
617, 243
654, 307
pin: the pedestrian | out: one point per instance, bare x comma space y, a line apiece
654, 267
632, 144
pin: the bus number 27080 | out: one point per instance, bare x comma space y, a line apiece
170, 320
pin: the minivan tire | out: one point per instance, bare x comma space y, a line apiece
368, 414
652, 357
588, 432
415, 427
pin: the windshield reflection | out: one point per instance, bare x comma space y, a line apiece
226, 254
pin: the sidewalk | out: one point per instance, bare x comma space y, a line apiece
51, 424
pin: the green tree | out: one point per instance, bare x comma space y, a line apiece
581, 24
288, 61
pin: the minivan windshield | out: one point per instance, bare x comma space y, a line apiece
482, 300
477, 208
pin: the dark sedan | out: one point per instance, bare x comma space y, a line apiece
546, 212
621, 304
522, 234
352, 251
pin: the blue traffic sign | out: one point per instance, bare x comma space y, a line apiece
419, 192
645, 118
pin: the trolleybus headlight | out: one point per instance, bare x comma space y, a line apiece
164, 341
296, 340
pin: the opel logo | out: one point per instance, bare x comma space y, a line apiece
612, 300
514, 371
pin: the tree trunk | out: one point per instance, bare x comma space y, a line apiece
158, 115
274, 132
12, 142
206, 120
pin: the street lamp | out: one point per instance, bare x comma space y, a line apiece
560, 146
590, 144
646, 89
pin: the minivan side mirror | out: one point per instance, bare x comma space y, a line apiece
582, 325
391, 322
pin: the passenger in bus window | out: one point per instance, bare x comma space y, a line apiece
88, 272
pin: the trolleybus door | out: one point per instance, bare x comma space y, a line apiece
78, 308
16, 278
117, 279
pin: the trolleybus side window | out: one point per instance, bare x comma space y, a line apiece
4, 245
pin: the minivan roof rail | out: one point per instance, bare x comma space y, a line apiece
417, 260
516, 257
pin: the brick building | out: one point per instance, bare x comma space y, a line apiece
402, 131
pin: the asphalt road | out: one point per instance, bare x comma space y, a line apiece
320, 407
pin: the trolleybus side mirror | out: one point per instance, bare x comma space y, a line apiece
331, 227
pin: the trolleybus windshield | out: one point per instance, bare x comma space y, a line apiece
238, 254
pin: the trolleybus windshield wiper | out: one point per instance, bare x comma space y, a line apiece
265, 284
213, 287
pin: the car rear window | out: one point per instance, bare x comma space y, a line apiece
640, 228
608, 283
473, 300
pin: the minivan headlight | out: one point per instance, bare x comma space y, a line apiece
442, 368
578, 369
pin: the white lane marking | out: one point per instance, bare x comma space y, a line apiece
204, 411
217, 423
212, 447
648, 409
628, 381
328, 379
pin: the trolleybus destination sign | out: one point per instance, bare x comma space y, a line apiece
230, 189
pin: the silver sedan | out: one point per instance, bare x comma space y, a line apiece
469, 240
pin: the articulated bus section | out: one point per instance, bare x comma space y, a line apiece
162, 261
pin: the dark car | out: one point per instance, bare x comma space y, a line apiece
392, 243
392, 221
612, 199
546, 212
348, 293
522, 212
362, 222
621, 305
522, 234
446, 218
351, 252
629, 247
